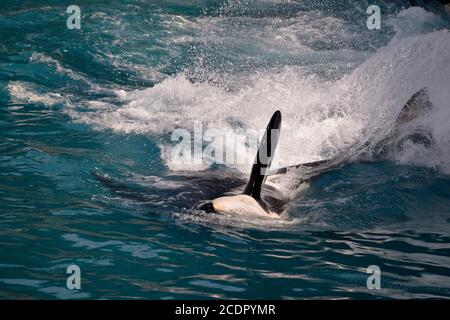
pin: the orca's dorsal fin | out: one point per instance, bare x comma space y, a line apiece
264, 157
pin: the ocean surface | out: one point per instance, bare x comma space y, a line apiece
105, 99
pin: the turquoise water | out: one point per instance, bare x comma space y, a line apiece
105, 99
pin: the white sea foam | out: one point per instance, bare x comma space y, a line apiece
37, 57
320, 117
22, 92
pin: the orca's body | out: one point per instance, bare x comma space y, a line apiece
223, 190
263, 199
251, 201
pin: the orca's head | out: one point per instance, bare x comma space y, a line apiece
250, 202
239, 204
206, 206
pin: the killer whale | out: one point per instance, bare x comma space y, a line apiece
251, 201
221, 189
273, 202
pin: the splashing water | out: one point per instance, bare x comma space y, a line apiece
105, 100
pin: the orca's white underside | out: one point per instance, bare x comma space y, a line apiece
241, 204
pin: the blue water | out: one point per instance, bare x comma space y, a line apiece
105, 99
